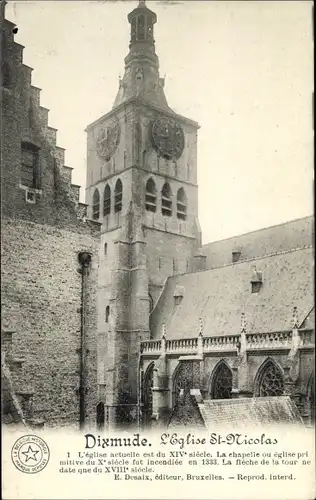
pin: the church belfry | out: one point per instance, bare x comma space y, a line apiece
141, 185
142, 22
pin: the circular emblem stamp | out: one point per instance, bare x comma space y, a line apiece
30, 454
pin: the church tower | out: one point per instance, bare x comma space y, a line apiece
141, 185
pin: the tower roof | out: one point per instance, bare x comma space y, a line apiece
142, 9
141, 78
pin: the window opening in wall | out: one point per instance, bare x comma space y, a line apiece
236, 256
271, 382
256, 281
105, 248
96, 205
107, 200
133, 32
177, 300
150, 196
141, 27
181, 204
100, 416
223, 383
166, 200
30, 197
186, 378
118, 196
107, 314
29, 165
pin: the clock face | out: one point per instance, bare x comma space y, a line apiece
167, 137
108, 138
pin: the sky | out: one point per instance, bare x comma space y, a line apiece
242, 69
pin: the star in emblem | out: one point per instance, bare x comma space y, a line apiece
30, 454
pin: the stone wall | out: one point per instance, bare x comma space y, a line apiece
44, 228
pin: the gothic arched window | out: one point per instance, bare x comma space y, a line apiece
181, 204
271, 381
107, 200
187, 377
118, 196
133, 30
148, 395
96, 205
166, 200
150, 196
141, 27
222, 382
100, 416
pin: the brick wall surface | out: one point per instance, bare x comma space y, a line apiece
41, 300
41, 285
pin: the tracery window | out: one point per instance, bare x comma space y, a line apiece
181, 204
271, 381
223, 382
150, 196
118, 196
187, 377
166, 200
96, 205
107, 200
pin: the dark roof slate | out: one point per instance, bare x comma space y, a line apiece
281, 238
249, 412
219, 296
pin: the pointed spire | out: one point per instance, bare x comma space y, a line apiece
201, 327
295, 323
243, 325
141, 78
163, 331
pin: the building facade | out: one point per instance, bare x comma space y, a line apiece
231, 319
113, 313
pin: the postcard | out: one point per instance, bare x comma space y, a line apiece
157, 233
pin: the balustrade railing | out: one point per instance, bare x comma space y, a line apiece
222, 343
229, 343
182, 344
268, 340
151, 346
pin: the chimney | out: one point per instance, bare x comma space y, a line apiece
236, 253
199, 262
256, 280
